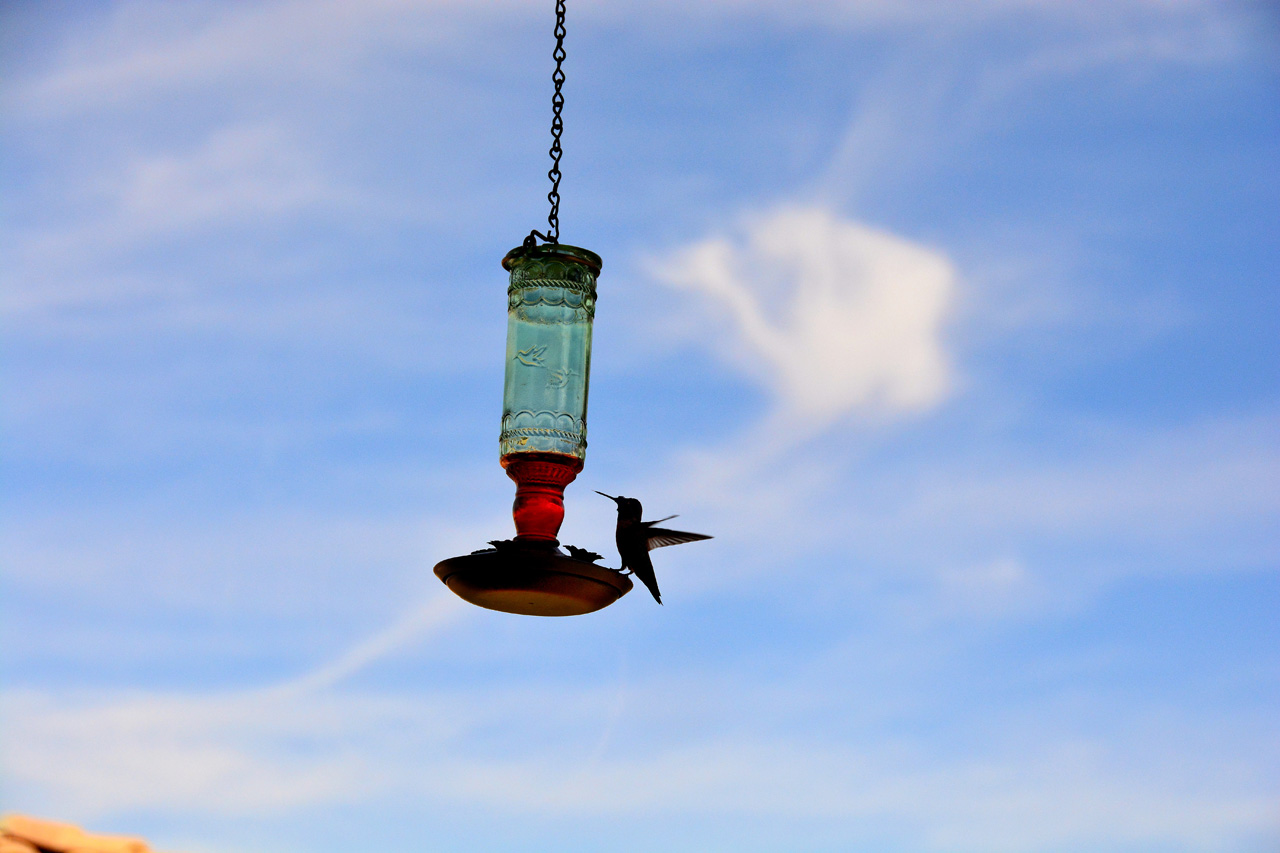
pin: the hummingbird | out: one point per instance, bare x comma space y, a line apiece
637, 538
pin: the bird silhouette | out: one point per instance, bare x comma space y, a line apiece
637, 538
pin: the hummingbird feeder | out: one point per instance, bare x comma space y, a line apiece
551, 303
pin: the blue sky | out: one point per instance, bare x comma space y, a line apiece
954, 323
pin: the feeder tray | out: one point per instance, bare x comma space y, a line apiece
533, 579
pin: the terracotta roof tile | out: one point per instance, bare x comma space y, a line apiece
21, 834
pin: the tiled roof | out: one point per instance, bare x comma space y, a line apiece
21, 834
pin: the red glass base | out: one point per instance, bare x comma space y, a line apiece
540, 480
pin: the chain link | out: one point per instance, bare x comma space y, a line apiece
557, 129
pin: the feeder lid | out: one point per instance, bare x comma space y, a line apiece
532, 579
554, 251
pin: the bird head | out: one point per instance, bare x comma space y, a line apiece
628, 508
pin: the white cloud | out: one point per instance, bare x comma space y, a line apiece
278, 563
938, 96
214, 754
1034, 786
1162, 489
148, 48
146, 51
432, 616
233, 752
973, 529
997, 586
238, 172
834, 316
251, 175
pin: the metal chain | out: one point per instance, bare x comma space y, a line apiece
557, 128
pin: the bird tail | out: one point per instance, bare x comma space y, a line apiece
651, 581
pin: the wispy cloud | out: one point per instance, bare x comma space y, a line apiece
1036, 786
430, 617
981, 532
248, 173
141, 55
249, 176
937, 98
836, 317
274, 562
172, 752
230, 751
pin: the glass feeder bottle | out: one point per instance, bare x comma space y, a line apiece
551, 303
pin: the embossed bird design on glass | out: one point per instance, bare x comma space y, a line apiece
532, 356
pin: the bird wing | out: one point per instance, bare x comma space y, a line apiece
583, 554
660, 537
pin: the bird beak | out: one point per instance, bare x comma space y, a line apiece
610, 497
